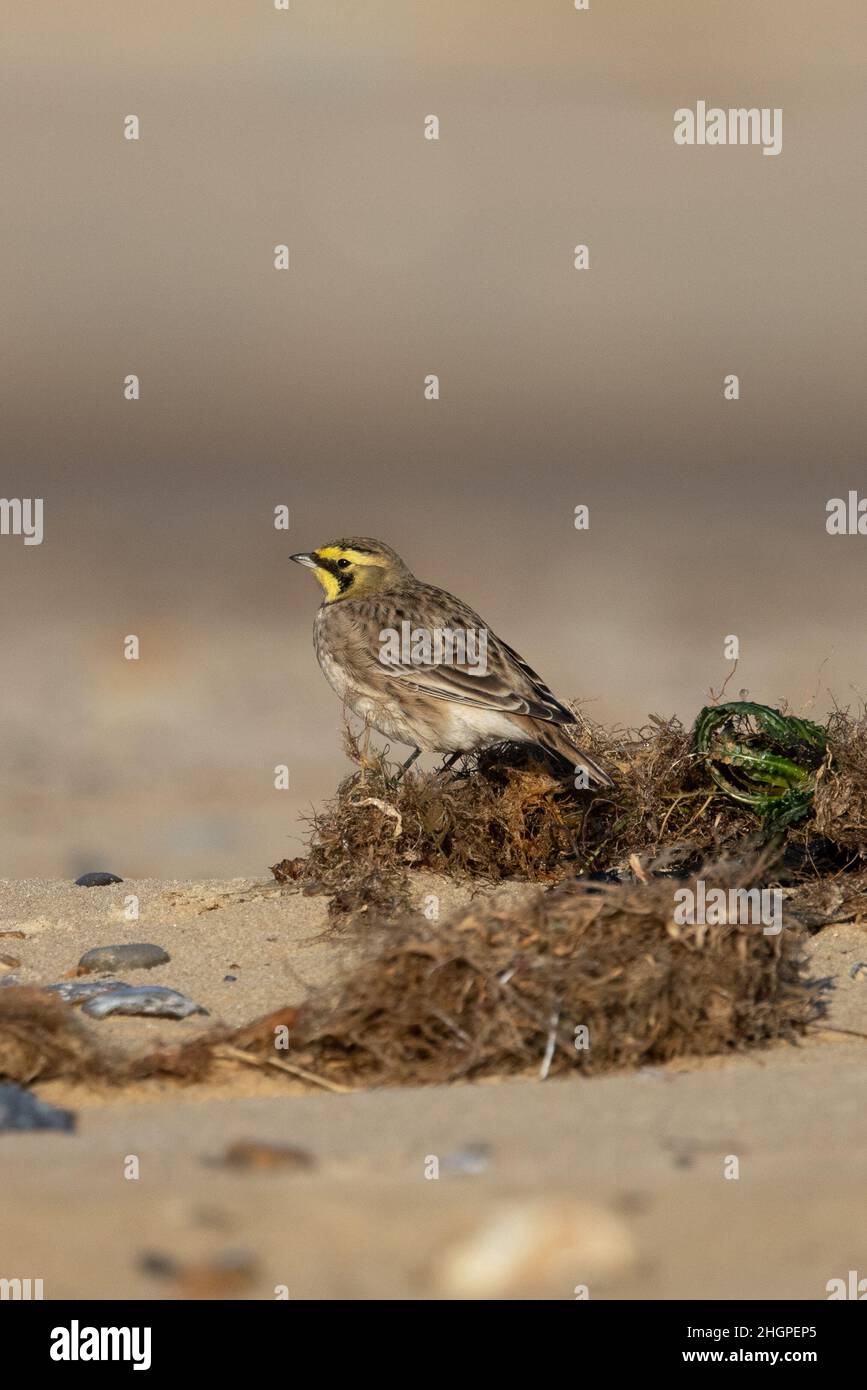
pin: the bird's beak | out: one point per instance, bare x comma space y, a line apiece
309, 560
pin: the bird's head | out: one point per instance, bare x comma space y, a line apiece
350, 568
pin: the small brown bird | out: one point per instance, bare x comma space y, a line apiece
423, 668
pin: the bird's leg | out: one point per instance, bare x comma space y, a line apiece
449, 762
407, 765
365, 745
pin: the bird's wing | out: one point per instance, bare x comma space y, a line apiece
503, 682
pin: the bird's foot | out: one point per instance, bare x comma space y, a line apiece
449, 762
395, 782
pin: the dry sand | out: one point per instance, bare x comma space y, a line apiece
616, 1183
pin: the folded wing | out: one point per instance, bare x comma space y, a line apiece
504, 682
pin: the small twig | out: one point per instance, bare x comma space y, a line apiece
549, 1047
826, 1028
234, 1054
450, 1023
636, 867
714, 698
676, 802
700, 812
525, 1009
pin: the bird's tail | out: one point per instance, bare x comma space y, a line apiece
556, 742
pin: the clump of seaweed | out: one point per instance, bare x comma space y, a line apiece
840, 800
583, 977
41, 1038
745, 777
818, 902
506, 816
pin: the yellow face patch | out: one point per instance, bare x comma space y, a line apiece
329, 582
341, 571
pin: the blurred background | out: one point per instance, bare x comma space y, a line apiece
305, 387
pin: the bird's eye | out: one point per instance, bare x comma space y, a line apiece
343, 564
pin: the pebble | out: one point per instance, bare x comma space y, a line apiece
540, 1246
9, 962
97, 880
21, 1110
473, 1158
248, 1154
152, 1000
859, 971
139, 955
225, 1275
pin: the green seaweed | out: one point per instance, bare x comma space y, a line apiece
762, 758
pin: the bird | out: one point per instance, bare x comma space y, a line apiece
423, 669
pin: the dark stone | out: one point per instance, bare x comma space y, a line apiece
137, 955
97, 880
21, 1110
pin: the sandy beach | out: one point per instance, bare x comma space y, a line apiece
632, 1164
497, 319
